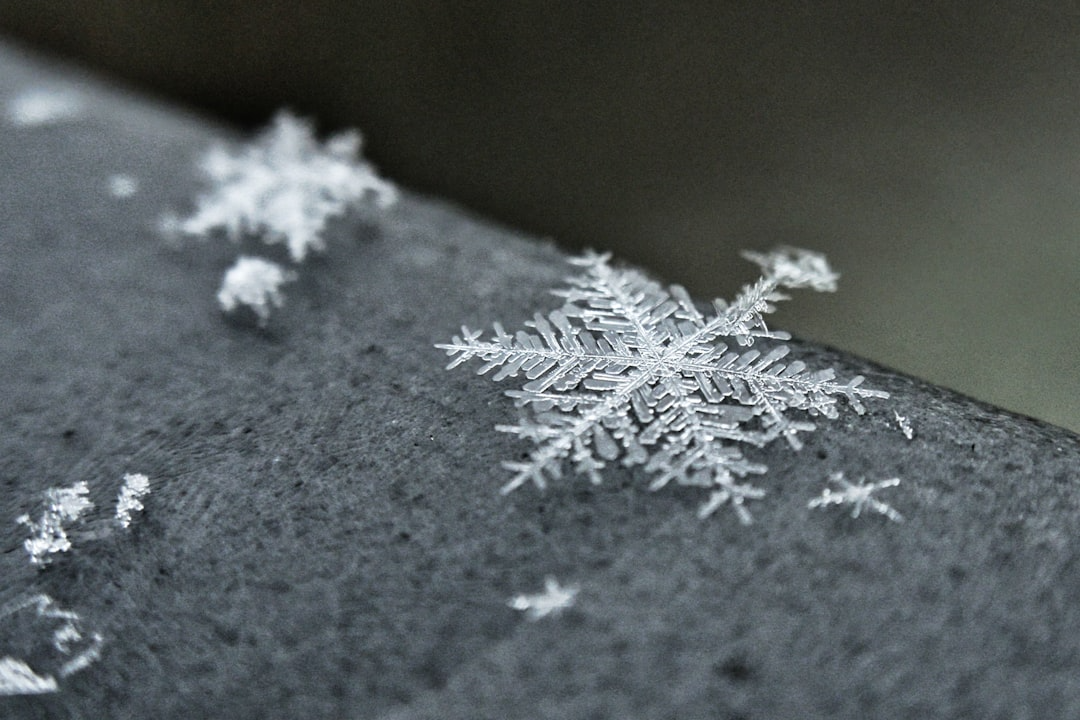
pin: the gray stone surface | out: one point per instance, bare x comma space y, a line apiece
326, 538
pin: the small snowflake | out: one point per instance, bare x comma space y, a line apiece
285, 186
858, 496
905, 425
49, 535
552, 601
256, 283
129, 500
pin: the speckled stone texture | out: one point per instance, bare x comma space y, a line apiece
325, 537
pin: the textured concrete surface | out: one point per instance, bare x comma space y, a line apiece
325, 537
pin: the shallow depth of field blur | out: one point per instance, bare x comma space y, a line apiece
932, 153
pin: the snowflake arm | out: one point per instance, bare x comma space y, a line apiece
552, 601
858, 496
18, 678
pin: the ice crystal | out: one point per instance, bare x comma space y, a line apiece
256, 283
552, 601
858, 496
49, 536
130, 499
285, 186
70, 648
628, 370
905, 425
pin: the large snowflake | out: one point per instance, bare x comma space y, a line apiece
630, 371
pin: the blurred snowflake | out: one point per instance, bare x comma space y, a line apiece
284, 187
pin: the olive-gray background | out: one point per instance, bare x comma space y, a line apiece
931, 152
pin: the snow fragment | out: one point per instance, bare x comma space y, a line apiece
256, 283
552, 601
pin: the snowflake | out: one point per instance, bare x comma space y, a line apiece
858, 496
71, 648
628, 370
49, 535
129, 500
256, 283
552, 601
285, 186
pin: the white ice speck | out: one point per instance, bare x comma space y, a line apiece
44, 106
256, 283
123, 186
552, 601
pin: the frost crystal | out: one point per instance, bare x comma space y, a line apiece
628, 370
49, 536
905, 425
552, 601
285, 186
858, 496
135, 487
18, 678
256, 283
70, 649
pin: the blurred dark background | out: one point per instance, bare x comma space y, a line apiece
932, 150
